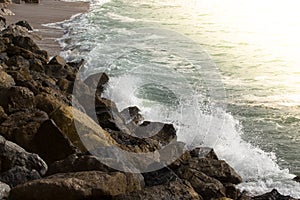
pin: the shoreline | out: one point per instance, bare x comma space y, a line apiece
47, 11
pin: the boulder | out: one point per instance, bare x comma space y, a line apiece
78, 163
179, 190
36, 65
18, 166
274, 194
297, 179
231, 191
77, 186
14, 30
204, 152
207, 187
4, 43
15, 50
51, 143
83, 132
4, 190
21, 128
6, 80
57, 60
160, 177
17, 61
96, 82
26, 43
16, 98
24, 24
32, 1
217, 169
48, 103
132, 114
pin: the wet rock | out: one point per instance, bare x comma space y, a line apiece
274, 194
207, 187
17, 165
6, 80
204, 152
83, 132
179, 190
24, 24
217, 169
16, 98
132, 114
77, 186
78, 163
51, 143
297, 179
231, 191
96, 82
21, 128
4, 190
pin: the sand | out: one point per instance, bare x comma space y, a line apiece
47, 11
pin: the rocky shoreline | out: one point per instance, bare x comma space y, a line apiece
43, 157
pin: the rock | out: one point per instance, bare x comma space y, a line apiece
4, 190
6, 80
3, 115
36, 65
274, 194
32, 1
21, 128
4, 43
48, 103
16, 98
83, 132
15, 50
18, 164
51, 143
297, 179
217, 169
231, 191
77, 186
132, 114
18, 175
17, 61
2, 23
57, 60
78, 163
14, 30
160, 177
204, 152
24, 24
6, 11
179, 190
26, 43
96, 82
207, 187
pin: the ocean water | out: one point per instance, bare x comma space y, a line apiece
225, 73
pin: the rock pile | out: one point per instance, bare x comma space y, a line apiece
43, 157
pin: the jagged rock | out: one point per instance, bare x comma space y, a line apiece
2, 23
16, 98
207, 187
18, 175
14, 30
217, 169
51, 143
18, 166
4, 190
58, 68
96, 82
17, 61
26, 43
15, 50
21, 128
78, 163
57, 60
36, 65
231, 191
204, 152
3, 115
6, 80
48, 103
179, 190
24, 24
6, 11
160, 177
83, 132
132, 114
77, 186
274, 194
76, 64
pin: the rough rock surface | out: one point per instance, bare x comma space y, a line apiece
79, 185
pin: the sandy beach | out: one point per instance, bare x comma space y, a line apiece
47, 11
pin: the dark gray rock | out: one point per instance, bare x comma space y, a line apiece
273, 195
24, 24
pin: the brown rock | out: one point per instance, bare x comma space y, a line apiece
4, 190
207, 187
48, 103
6, 80
36, 65
83, 132
15, 50
16, 98
17, 61
4, 42
51, 143
78, 163
217, 169
77, 186
274, 194
57, 60
3, 115
179, 190
24, 24
21, 128
231, 191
